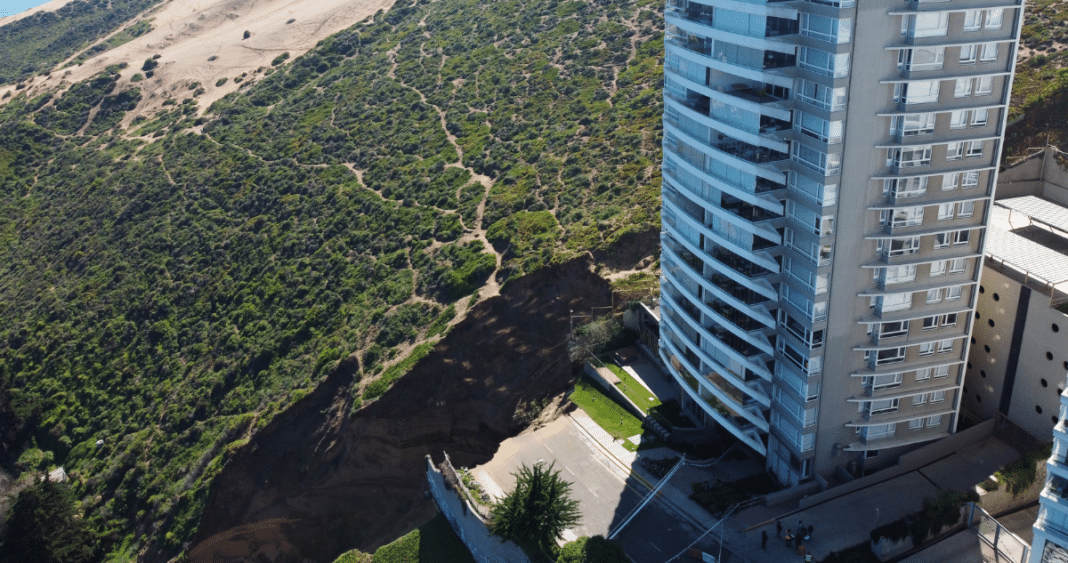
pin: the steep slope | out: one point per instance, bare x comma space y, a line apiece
1040, 88
170, 287
326, 484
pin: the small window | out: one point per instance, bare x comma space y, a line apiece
982, 373
990, 322
973, 20
955, 151
927, 348
1043, 382
975, 149
997, 297
938, 396
980, 117
1055, 327
945, 346
994, 18
963, 88
986, 348
968, 53
1049, 356
916, 424
1038, 409
989, 52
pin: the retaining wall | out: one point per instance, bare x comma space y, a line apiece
464, 520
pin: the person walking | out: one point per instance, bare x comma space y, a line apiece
764, 540
789, 539
778, 527
809, 536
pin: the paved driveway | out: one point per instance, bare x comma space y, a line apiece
605, 489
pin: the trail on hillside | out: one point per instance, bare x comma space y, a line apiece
317, 481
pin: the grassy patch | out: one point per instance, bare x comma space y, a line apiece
381, 385
609, 414
433, 542
633, 390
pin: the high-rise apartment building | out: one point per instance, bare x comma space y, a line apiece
1050, 543
828, 170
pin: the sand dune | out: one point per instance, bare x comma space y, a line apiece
187, 33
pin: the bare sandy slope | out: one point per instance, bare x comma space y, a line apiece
186, 33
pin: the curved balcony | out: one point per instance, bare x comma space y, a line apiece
723, 314
737, 296
687, 176
770, 67
745, 351
702, 120
724, 229
747, 400
697, 259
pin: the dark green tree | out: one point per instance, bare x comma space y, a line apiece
44, 527
538, 510
592, 550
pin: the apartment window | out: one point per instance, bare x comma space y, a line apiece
961, 237
818, 128
949, 181
899, 246
820, 225
926, 349
832, 30
883, 406
824, 163
975, 149
955, 150
921, 58
963, 88
815, 311
923, 374
919, 399
824, 63
879, 431
958, 119
814, 339
949, 319
831, 99
894, 302
970, 180
973, 20
938, 269
938, 396
908, 157
915, 124
904, 217
887, 381
935, 420
934, 295
942, 240
945, 211
965, 208
894, 329
818, 192
930, 323
905, 187
957, 265
925, 25
968, 54
994, 18
892, 275
980, 117
954, 293
984, 85
916, 92
815, 283
941, 371
945, 346
989, 52
915, 424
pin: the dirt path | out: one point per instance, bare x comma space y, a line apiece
303, 487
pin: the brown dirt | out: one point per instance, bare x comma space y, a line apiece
316, 482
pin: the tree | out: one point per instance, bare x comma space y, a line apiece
592, 550
538, 510
43, 527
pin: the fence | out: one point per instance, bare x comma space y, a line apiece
999, 544
465, 519
1014, 435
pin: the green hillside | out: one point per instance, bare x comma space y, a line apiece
1040, 88
166, 291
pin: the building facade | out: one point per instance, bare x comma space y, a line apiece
1019, 352
1050, 541
828, 169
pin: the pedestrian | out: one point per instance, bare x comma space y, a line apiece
809, 536
764, 540
789, 539
778, 527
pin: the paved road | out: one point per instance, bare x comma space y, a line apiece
606, 491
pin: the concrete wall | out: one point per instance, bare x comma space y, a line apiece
1040, 360
907, 462
484, 547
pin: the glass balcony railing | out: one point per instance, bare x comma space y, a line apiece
736, 290
735, 22
747, 152
739, 264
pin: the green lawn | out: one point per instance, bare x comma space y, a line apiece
609, 414
633, 390
433, 542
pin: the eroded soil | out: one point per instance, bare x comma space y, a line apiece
318, 481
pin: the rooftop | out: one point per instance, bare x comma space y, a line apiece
1028, 236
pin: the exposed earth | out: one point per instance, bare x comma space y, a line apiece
318, 481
